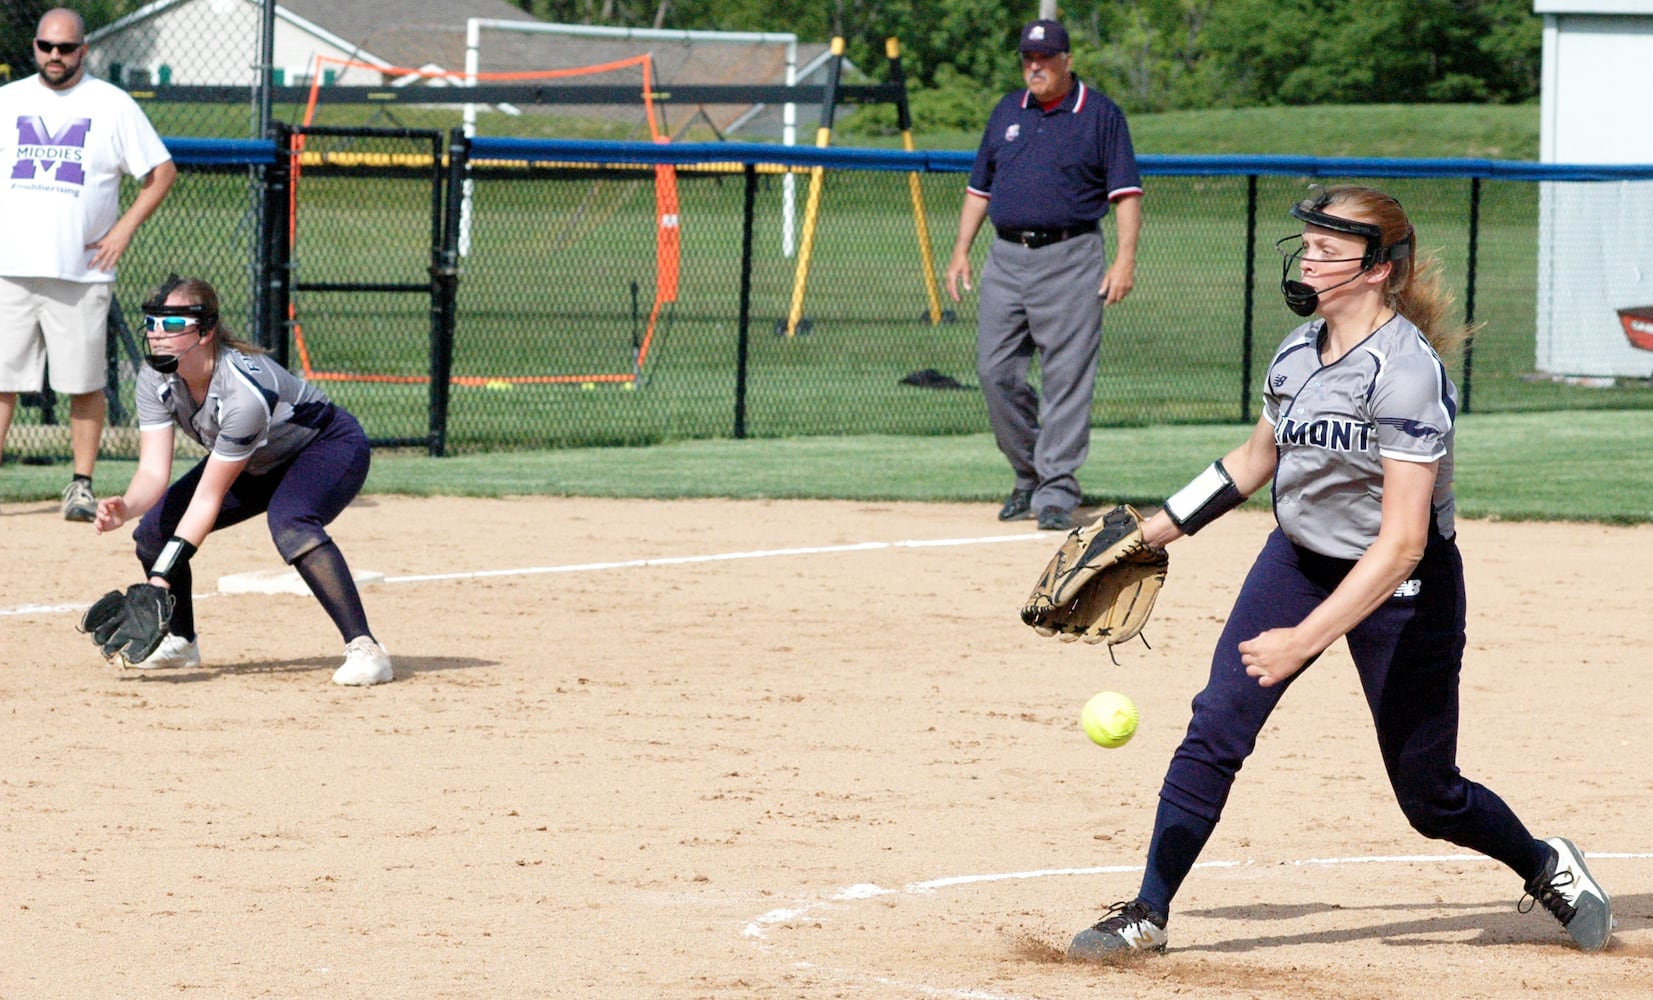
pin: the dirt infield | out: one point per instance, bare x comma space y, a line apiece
634, 750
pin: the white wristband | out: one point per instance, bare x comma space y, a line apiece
1210, 495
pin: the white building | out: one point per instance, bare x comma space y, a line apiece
1595, 242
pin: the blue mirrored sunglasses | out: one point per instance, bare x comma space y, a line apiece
170, 324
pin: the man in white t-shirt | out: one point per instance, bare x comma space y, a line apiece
65, 141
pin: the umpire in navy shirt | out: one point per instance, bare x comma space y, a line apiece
1054, 158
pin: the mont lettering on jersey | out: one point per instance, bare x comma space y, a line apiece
1325, 432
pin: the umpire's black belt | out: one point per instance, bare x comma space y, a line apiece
1033, 239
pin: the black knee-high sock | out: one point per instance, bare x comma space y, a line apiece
325, 573
1179, 836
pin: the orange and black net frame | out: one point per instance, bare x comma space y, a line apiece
904, 120
668, 242
794, 323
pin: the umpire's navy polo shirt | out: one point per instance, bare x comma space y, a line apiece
1054, 169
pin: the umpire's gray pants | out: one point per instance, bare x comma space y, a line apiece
1046, 300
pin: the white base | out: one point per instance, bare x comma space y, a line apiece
281, 581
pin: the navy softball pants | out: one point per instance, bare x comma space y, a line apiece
301, 497
1408, 653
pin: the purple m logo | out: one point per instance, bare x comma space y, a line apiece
39, 149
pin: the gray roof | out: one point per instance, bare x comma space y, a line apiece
409, 33
417, 33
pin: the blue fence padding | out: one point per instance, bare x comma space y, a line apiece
952, 161
221, 152
600, 151
1334, 166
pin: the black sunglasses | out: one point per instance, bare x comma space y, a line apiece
61, 48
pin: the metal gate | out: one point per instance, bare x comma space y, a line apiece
361, 278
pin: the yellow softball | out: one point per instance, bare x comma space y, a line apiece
1109, 719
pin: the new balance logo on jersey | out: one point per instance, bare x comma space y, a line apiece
1333, 435
40, 150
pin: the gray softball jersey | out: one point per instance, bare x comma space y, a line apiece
255, 409
1389, 397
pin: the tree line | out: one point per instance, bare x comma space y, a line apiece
1149, 55
1152, 55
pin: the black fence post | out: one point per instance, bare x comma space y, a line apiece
1469, 290
274, 266
445, 288
743, 337
118, 335
266, 64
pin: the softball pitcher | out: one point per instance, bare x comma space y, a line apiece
278, 446
1356, 435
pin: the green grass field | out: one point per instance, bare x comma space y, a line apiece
1495, 131
1589, 466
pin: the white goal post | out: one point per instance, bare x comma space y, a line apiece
475, 26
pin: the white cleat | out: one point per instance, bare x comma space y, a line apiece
174, 651
1573, 896
365, 662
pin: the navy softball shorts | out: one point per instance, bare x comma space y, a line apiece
301, 497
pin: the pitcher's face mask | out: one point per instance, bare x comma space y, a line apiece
1302, 298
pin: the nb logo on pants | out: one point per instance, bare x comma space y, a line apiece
1410, 588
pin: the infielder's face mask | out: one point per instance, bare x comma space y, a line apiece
163, 321
1302, 298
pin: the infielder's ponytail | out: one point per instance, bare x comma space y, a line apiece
1414, 288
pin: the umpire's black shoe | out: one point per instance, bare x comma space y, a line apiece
1055, 519
1017, 505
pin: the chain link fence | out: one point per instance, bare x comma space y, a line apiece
217, 47
576, 318
562, 339
464, 295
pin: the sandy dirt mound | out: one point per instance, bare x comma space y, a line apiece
634, 750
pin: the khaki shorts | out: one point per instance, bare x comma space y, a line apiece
50, 320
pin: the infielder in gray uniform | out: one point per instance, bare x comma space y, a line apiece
277, 446
1356, 435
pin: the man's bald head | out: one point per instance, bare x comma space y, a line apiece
62, 32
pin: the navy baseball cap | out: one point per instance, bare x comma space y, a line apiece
1046, 38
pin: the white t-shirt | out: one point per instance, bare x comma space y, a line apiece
62, 154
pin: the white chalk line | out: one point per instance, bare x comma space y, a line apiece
757, 929
599, 567
812, 550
